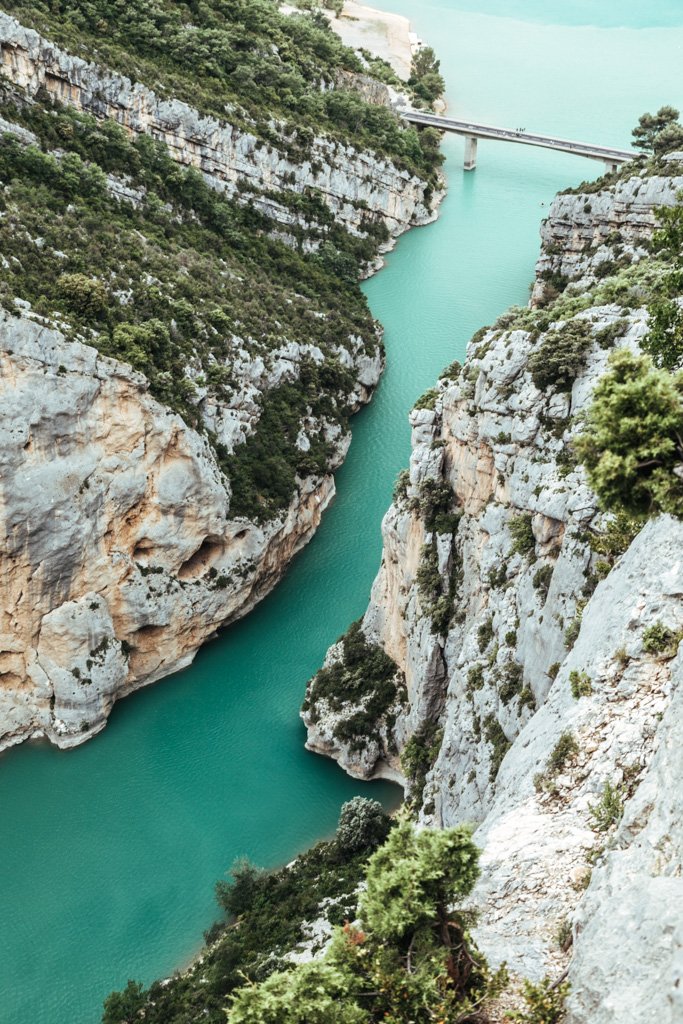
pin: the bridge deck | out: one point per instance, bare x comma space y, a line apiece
473, 130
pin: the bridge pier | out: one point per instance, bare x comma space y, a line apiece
611, 166
470, 153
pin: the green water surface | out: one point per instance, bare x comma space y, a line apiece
108, 853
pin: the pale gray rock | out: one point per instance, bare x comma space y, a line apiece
502, 698
585, 230
350, 181
629, 938
120, 555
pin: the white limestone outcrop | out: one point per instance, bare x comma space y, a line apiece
587, 233
537, 699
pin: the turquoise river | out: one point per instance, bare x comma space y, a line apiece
109, 853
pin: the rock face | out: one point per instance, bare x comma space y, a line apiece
119, 555
536, 704
353, 183
638, 893
586, 233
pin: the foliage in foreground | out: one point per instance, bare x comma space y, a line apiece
265, 911
411, 958
544, 1003
413, 961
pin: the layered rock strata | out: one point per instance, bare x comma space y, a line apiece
353, 184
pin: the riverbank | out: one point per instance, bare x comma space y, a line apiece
384, 34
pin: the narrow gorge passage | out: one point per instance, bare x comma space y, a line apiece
110, 851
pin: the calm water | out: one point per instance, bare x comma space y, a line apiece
109, 852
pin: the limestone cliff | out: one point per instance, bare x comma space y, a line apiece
352, 183
123, 547
533, 698
119, 555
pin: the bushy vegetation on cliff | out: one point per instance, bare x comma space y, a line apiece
632, 445
410, 957
181, 283
240, 60
363, 688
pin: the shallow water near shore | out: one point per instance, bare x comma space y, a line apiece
109, 852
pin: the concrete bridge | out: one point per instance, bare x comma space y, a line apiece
472, 132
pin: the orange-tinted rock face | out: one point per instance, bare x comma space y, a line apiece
116, 530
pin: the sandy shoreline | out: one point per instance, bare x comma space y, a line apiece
386, 35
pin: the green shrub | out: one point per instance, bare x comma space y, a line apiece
615, 536
425, 77
561, 356
437, 596
665, 338
427, 400
475, 678
632, 441
83, 295
554, 669
659, 639
608, 810
495, 736
542, 578
362, 825
451, 372
435, 503
607, 336
580, 683
418, 757
485, 633
497, 576
564, 935
565, 749
571, 633
545, 1003
237, 895
523, 540
428, 577
400, 492
527, 699
512, 684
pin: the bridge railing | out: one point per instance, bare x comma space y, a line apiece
473, 131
